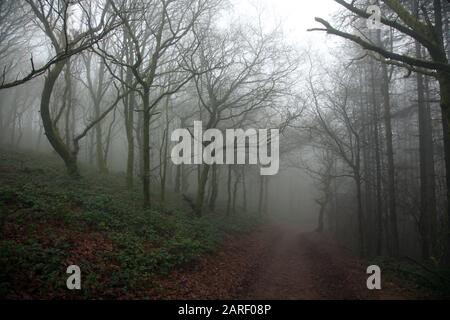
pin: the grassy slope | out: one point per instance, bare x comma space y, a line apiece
49, 222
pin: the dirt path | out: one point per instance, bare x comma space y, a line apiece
277, 263
307, 266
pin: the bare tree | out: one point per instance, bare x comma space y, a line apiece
54, 18
237, 83
339, 129
428, 30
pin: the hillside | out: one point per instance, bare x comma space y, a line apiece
50, 221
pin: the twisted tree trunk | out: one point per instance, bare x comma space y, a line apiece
53, 136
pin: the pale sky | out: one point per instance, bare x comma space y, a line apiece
295, 16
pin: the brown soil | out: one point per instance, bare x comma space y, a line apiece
277, 263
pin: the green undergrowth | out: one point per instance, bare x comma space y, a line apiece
50, 221
428, 278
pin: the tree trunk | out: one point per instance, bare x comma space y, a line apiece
214, 188
235, 188
394, 245
51, 131
432, 171
67, 102
39, 137
129, 127
266, 196
178, 179
444, 86
101, 161
229, 191
129, 104
91, 148
427, 195
13, 131
360, 214
146, 147
261, 195
203, 179
379, 212
164, 152
321, 217
244, 191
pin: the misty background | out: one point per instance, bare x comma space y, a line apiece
102, 84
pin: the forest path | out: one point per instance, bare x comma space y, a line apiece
280, 263
306, 266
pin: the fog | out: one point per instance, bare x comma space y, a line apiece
100, 87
